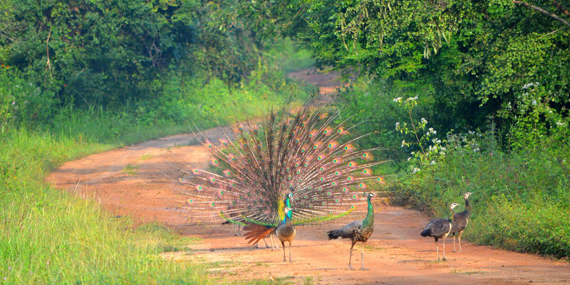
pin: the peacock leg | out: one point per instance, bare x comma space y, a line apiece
290, 252
459, 237
350, 256
362, 257
283, 244
239, 230
266, 246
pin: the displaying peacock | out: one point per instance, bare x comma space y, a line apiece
303, 151
439, 228
461, 220
357, 231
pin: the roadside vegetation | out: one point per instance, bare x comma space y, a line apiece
463, 96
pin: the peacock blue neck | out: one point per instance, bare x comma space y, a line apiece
369, 220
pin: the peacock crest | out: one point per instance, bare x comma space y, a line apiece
303, 152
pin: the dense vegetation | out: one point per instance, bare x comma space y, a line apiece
464, 95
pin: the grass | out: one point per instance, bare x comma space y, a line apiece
520, 199
51, 237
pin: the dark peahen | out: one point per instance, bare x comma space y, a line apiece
357, 231
302, 150
439, 228
460, 221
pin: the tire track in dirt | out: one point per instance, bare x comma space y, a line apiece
133, 181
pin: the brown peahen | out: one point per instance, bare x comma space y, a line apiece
461, 220
303, 151
439, 228
357, 231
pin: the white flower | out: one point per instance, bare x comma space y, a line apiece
471, 132
533, 102
409, 158
560, 123
442, 153
397, 125
416, 170
431, 130
432, 162
442, 148
424, 121
476, 150
412, 98
403, 143
399, 99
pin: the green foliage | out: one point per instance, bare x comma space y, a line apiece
471, 58
92, 53
520, 199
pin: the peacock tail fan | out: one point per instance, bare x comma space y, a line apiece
257, 164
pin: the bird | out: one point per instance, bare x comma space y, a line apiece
254, 232
285, 231
439, 228
460, 221
357, 231
303, 151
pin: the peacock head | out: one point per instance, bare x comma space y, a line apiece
467, 195
370, 195
453, 205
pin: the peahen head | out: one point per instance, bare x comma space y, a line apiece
453, 205
467, 195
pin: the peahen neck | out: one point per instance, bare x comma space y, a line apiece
369, 220
467, 205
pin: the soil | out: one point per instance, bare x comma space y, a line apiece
135, 181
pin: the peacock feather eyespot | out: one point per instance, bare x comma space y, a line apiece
349, 178
324, 203
336, 173
329, 193
298, 171
345, 190
322, 179
322, 168
199, 188
333, 183
191, 201
337, 200
320, 188
362, 185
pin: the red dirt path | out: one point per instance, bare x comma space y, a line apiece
131, 181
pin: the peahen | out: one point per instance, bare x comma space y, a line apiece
461, 220
357, 231
300, 148
439, 228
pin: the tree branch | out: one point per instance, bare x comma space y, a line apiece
561, 8
542, 11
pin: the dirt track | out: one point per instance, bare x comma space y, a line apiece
131, 181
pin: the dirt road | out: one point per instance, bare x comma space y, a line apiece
131, 181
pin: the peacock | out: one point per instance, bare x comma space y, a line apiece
357, 231
439, 228
285, 231
304, 151
460, 221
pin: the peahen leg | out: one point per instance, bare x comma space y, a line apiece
444, 238
290, 252
350, 256
454, 243
362, 257
266, 246
459, 237
436, 249
283, 245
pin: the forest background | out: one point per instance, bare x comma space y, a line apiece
463, 96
